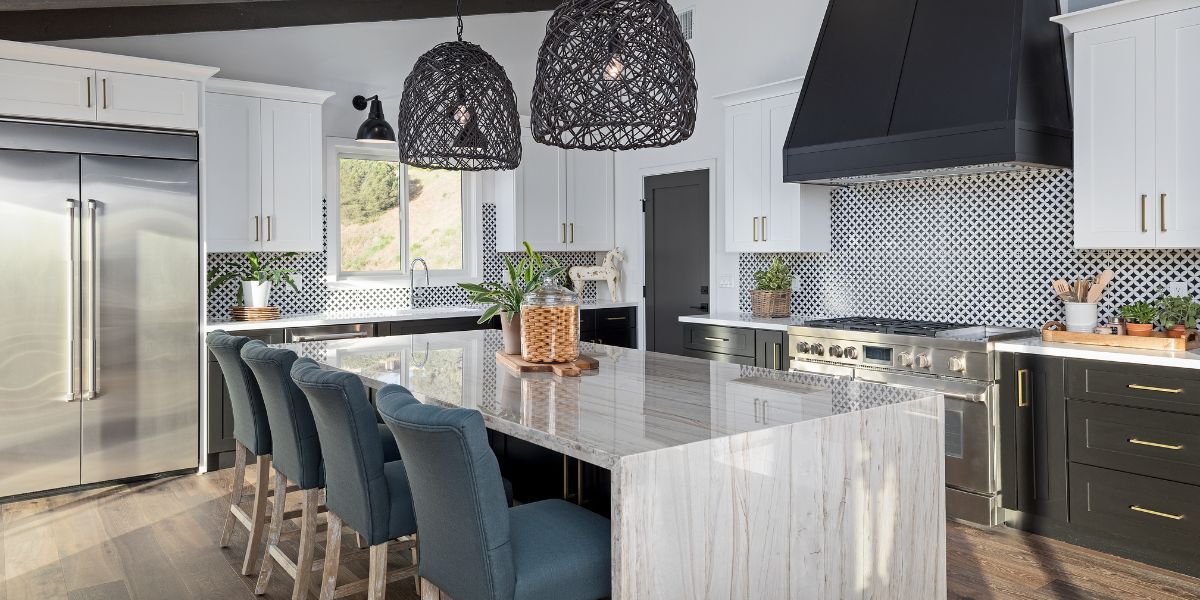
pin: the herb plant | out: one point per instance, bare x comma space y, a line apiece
776, 277
1142, 313
257, 268
1175, 310
524, 277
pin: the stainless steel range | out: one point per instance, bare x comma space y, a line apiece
952, 358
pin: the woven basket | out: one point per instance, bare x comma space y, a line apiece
771, 303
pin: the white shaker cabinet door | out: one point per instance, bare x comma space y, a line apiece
1177, 78
291, 176
590, 200
232, 171
47, 91
541, 195
744, 178
149, 101
798, 214
1114, 95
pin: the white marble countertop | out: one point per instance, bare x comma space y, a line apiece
372, 316
733, 319
1035, 345
635, 402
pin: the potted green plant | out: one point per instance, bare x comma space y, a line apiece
257, 276
1178, 315
505, 298
772, 293
1139, 318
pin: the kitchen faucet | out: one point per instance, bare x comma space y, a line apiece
412, 272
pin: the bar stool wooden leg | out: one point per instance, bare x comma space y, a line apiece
268, 561
430, 591
308, 543
378, 575
235, 493
259, 517
333, 556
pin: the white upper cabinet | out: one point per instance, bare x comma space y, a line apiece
762, 212
557, 200
47, 82
262, 167
1137, 126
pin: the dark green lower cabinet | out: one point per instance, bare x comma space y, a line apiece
220, 412
1033, 435
609, 326
739, 345
771, 350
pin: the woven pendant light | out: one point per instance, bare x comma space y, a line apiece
614, 75
459, 111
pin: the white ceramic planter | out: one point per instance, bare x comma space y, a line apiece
256, 294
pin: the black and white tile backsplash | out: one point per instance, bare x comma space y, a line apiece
970, 249
317, 297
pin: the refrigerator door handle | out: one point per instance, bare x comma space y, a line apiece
94, 392
72, 394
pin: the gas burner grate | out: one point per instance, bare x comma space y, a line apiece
894, 326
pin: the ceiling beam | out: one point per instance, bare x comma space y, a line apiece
81, 19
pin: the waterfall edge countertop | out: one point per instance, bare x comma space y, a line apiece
778, 477
372, 316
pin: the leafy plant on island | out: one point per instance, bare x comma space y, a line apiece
256, 268
524, 277
777, 277
1178, 310
1142, 313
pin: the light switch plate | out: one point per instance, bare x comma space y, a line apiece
796, 282
1177, 288
725, 281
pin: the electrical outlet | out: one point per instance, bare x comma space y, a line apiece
796, 282
1177, 288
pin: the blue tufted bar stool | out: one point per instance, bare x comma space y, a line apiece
252, 438
297, 460
472, 545
362, 489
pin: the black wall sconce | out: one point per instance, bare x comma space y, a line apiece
375, 129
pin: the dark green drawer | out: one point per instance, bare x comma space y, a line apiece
1143, 442
1139, 386
718, 357
1163, 516
723, 340
615, 318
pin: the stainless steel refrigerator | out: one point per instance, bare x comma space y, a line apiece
99, 305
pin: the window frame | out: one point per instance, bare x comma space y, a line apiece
339, 148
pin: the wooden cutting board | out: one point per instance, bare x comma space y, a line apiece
516, 363
1157, 340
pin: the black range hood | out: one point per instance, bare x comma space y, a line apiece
917, 88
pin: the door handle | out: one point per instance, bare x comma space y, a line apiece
572, 233
1022, 381
701, 307
564, 233
778, 366
268, 228
89, 91
764, 229
1162, 213
1155, 444
72, 394
1164, 515
616, 318
1144, 230
104, 93
257, 229
755, 229
756, 410
764, 412
1150, 388
713, 339
93, 258
331, 337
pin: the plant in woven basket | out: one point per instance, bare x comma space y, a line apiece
524, 277
772, 293
258, 275
777, 277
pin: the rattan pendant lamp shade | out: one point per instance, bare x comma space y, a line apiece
459, 111
614, 75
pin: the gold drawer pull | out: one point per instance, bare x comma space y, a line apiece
1150, 388
1164, 515
713, 339
1155, 444
615, 318
1022, 374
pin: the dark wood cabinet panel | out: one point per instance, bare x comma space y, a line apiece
771, 350
718, 357
609, 326
1033, 435
1139, 386
720, 340
1139, 441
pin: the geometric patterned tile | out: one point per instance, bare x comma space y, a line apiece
967, 249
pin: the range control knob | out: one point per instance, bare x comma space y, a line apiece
923, 361
802, 347
835, 351
906, 359
956, 363
817, 349
851, 353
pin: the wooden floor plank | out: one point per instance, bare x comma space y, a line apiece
32, 568
147, 571
89, 559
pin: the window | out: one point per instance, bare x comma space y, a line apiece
388, 214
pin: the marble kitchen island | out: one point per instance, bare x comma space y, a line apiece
727, 481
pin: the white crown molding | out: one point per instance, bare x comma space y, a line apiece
1120, 12
86, 59
266, 90
762, 92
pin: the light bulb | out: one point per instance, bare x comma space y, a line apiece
614, 69
462, 115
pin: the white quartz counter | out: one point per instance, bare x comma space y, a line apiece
746, 320
372, 316
1035, 345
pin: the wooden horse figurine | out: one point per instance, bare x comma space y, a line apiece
608, 272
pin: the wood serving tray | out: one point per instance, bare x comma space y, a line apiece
514, 362
248, 313
1157, 340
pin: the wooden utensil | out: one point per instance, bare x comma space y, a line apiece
1102, 281
1081, 290
1061, 289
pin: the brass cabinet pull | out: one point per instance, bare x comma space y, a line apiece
1144, 230
713, 339
257, 229
268, 228
1150, 388
615, 318
1162, 213
104, 93
89, 92
572, 233
755, 229
564, 233
1164, 515
764, 229
1022, 377
1155, 444
778, 366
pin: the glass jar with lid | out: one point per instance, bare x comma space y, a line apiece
550, 324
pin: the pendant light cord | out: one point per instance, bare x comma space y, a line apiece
458, 10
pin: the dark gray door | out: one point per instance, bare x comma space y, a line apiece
676, 255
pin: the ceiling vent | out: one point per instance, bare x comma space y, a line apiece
687, 21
